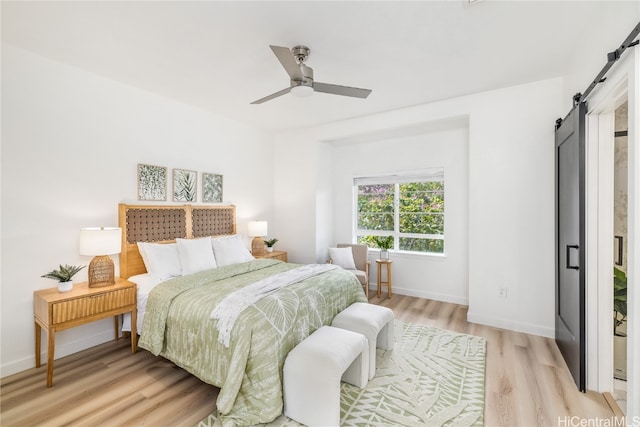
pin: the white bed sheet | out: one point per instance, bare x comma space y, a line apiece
145, 283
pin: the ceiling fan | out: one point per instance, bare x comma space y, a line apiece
301, 76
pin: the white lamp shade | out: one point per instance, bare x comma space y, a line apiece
302, 91
257, 228
100, 241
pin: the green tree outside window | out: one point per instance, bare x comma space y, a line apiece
412, 214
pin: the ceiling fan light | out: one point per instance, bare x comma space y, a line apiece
302, 91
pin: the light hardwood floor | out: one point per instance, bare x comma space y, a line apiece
527, 383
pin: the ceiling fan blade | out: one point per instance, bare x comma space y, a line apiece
341, 90
289, 63
273, 95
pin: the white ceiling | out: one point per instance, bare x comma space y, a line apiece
216, 56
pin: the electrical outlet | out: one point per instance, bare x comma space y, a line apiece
502, 292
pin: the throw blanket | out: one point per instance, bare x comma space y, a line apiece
236, 302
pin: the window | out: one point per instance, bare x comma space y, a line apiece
407, 211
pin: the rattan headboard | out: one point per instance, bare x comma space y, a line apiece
163, 224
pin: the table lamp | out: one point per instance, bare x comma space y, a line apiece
100, 242
257, 229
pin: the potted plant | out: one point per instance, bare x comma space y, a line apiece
619, 300
64, 276
619, 319
269, 243
384, 243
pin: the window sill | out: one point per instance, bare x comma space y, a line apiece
409, 255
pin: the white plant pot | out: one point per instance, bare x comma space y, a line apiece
269, 249
65, 286
620, 353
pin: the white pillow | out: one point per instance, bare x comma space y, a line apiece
342, 257
230, 250
161, 260
196, 255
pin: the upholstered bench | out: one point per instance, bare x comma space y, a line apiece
312, 373
374, 322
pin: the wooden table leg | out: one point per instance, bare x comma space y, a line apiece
50, 353
379, 278
115, 327
38, 343
134, 330
389, 293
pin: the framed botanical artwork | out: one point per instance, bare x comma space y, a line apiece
211, 188
152, 182
184, 185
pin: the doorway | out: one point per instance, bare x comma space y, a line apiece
601, 153
620, 232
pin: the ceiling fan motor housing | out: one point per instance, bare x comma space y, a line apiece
301, 53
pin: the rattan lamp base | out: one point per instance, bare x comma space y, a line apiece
257, 246
101, 272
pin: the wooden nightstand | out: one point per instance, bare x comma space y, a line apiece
56, 311
281, 255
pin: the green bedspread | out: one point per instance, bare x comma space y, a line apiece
177, 326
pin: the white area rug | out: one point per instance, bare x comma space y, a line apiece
432, 377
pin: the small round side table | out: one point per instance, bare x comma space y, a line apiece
387, 263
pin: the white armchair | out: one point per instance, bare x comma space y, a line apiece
361, 261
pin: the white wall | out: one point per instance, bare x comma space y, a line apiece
71, 141
295, 181
591, 55
443, 278
511, 207
510, 203
324, 200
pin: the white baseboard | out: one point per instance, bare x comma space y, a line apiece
498, 322
422, 294
61, 351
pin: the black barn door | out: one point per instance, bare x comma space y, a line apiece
570, 242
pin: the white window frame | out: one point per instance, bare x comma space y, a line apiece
428, 175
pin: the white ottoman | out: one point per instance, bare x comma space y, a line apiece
312, 373
374, 322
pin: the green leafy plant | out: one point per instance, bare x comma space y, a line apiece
64, 274
270, 242
619, 299
385, 243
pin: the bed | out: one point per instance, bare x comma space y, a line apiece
177, 321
